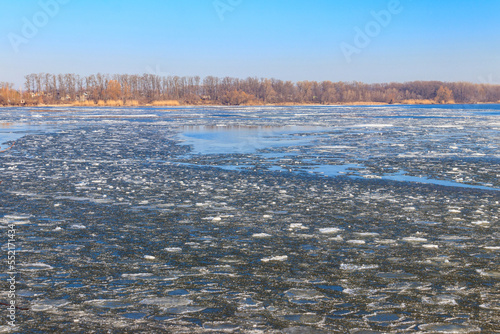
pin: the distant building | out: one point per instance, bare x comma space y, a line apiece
82, 98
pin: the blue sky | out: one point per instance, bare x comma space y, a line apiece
285, 39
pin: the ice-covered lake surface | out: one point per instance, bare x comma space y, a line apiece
253, 220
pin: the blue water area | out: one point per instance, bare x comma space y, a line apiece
334, 170
469, 107
402, 177
6, 137
490, 113
10, 132
336, 288
245, 140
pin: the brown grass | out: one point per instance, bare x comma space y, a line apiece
114, 103
166, 103
132, 103
108, 103
84, 104
412, 101
286, 104
363, 103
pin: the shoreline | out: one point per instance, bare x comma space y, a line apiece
243, 105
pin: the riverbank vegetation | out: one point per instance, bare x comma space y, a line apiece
150, 89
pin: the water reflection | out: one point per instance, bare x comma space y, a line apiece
10, 132
281, 148
237, 139
403, 177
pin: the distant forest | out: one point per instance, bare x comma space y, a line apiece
150, 89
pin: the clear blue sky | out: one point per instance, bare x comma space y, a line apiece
286, 39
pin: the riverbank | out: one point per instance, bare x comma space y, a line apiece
292, 104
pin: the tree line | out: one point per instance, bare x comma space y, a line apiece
124, 89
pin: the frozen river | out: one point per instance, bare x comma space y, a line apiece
252, 219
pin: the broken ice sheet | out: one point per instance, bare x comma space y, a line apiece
120, 224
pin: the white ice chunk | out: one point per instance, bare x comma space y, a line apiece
261, 235
275, 258
329, 230
345, 266
414, 239
78, 226
297, 226
482, 223
35, 266
167, 301
173, 249
356, 242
